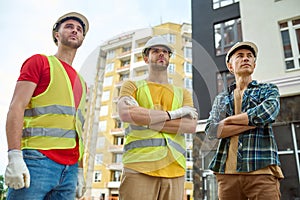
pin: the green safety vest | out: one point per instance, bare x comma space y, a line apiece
145, 145
51, 120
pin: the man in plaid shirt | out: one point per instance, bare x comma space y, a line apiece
246, 163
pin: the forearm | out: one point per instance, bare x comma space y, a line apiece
14, 127
142, 116
183, 125
239, 119
231, 130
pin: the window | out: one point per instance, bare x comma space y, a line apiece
99, 159
97, 176
105, 96
118, 158
224, 79
188, 83
188, 137
290, 35
100, 142
109, 67
170, 80
119, 123
102, 126
116, 176
104, 111
221, 3
125, 63
187, 52
226, 35
119, 140
188, 67
107, 81
124, 77
171, 38
189, 155
126, 49
171, 68
189, 175
110, 54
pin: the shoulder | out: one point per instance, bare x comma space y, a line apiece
129, 83
35, 60
264, 85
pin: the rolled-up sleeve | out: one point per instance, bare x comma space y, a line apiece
265, 112
217, 114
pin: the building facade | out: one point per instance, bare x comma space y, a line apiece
274, 25
120, 59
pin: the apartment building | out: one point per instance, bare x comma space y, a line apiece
120, 59
274, 25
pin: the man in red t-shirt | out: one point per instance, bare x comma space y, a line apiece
45, 120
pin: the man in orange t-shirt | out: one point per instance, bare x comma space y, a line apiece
158, 113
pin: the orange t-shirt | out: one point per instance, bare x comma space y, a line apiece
161, 100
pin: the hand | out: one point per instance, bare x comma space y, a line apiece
80, 189
16, 175
129, 100
184, 111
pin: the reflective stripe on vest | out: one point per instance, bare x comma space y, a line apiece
140, 137
155, 142
54, 109
51, 121
53, 132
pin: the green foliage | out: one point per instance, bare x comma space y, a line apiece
3, 189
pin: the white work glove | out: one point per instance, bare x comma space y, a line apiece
131, 101
80, 189
16, 175
185, 111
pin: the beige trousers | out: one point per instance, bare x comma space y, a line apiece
137, 186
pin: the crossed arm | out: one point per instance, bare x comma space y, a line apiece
233, 125
158, 120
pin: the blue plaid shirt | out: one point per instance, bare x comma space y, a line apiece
257, 147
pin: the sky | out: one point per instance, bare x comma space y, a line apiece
26, 29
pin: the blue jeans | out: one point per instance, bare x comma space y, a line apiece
48, 179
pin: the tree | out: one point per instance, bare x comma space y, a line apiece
2, 188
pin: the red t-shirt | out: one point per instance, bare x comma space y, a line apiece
36, 69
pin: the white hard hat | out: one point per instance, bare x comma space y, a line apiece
157, 41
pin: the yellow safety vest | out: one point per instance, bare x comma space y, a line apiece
51, 120
146, 145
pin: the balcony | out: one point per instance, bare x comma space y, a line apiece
117, 131
115, 149
119, 84
115, 115
138, 50
115, 99
113, 184
115, 166
140, 65
123, 69
124, 55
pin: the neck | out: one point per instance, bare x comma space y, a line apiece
242, 82
66, 54
158, 76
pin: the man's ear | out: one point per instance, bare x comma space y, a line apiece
146, 59
229, 67
56, 35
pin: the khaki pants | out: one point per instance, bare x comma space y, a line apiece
137, 186
248, 187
